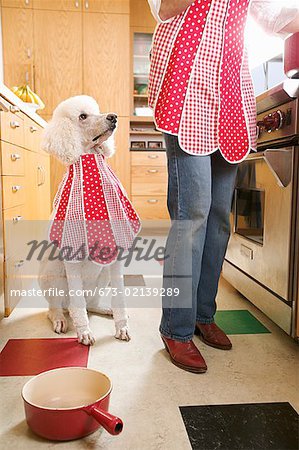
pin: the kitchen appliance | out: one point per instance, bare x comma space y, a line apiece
291, 56
262, 256
69, 403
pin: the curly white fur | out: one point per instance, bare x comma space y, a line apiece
78, 127
67, 137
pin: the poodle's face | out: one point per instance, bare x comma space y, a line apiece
78, 127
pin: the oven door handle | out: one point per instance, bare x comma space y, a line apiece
279, 161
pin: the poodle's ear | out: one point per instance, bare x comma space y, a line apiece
62, 139
108, 147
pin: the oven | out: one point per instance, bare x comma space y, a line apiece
262, 256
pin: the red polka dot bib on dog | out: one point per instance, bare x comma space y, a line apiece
92, 215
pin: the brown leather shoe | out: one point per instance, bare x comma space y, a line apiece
185, 355
212, 335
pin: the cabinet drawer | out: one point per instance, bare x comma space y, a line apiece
151, 208
12, 128
148, 158
13, 283
12, 159
13, 191
149, 180
14, 239
32, 135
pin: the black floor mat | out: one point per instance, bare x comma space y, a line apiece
257, 426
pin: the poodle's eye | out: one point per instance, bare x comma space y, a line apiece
83, 116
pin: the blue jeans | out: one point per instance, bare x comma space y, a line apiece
200, 190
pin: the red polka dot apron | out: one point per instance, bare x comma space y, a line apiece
200, 87
92, 215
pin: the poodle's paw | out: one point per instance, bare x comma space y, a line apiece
122, 330
59, 322
85, 337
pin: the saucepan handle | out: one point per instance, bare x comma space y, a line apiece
112, 424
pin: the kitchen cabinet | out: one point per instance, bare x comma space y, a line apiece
140, 15
120, 162
107, 6
17, 45
18, 3
106, 60
25, 194
57, 56
58, 5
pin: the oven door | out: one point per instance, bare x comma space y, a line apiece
261, 219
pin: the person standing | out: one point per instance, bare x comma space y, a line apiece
202, 96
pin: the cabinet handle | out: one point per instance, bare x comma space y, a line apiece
14, 109
152, 200
27, 2
16, 188
152, 156
33, 129
77, 4
28, 53
153, 171
43, 176
17, 219
15, 156
19, 263
86, 5
14, 124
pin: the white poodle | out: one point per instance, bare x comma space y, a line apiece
91, 221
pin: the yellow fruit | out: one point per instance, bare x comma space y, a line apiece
38, 100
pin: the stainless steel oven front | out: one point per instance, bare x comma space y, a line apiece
260, 244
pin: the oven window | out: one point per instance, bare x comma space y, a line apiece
249, 214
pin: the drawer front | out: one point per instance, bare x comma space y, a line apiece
13, 283
151, 208
32, 135
13, 191
148, 158
14, 239
149, 180
12, 128
12, 159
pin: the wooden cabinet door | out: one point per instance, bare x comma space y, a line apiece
58, 56
140, 15
43, 187
58, 5
120, 162
31, 185
108, 6
37, 183
106, 58
17, 36
17, 3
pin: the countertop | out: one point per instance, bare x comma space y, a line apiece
8, 95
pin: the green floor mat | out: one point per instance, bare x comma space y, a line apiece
239, 322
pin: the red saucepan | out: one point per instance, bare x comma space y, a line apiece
69, 403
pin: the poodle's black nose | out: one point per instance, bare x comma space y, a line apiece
112, 118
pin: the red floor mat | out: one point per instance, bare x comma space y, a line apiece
21, 357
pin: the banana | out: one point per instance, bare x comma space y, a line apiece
27, 95
37, 99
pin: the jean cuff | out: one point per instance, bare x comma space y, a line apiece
205, 321
175, 337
